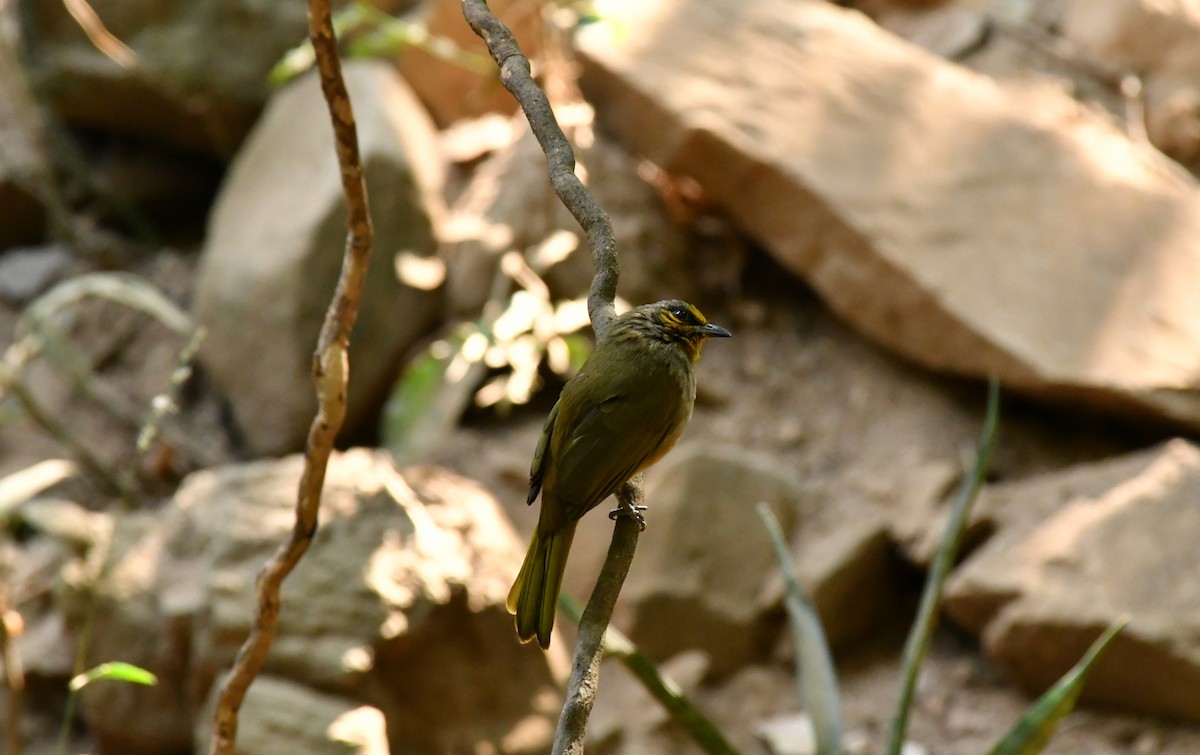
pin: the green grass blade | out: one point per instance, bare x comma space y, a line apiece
1033, 731
702, 730
816, 675
922, 630
116, 670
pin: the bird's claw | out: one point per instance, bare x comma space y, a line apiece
631, 511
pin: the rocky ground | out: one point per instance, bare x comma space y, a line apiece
886, 204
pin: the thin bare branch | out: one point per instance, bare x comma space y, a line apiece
99, 35
515, 75
589, 648
330, 372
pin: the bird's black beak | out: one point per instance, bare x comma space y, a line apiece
715, 331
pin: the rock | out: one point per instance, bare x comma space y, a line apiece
274, 251
850, 574
1043, 598
398, 601
129, 625
1008, 512
948, 30
185, 88
700, 574
27, 272
452, 90
396, 605
856, 159
714, 583
1159, 42
281, 717
510, 204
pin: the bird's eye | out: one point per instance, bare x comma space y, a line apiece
679, 312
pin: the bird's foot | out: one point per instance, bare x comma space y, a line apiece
630, 511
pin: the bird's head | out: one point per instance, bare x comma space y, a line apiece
678, 322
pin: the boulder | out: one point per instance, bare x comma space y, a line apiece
274, 251
121, 603
397, 605
510, 204
1009, 511
706, 576
1040, 595
1159, 42
937, 211
281, 717
702, 568
198, 75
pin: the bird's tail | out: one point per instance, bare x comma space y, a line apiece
534, 595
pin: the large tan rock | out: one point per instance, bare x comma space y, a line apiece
281, 717
973, 228
397, 605
1009, 511
1160, 42
706, 559
129, 625
274, 252
706, 576
1041, 594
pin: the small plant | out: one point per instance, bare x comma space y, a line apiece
115, 671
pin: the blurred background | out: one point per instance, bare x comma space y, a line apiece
886, 201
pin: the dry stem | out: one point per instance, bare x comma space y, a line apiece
330, 373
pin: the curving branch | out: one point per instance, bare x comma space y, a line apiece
331, 367
515, 75
560, 158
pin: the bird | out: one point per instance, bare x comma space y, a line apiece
622, 412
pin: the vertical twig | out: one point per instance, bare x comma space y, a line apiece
330, 372
515, 75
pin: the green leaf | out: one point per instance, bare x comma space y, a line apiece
926, 621
116, 670
1033, 731
816, 675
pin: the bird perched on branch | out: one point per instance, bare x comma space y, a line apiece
621, 413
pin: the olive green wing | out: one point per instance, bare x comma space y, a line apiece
609, 444
537, 469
